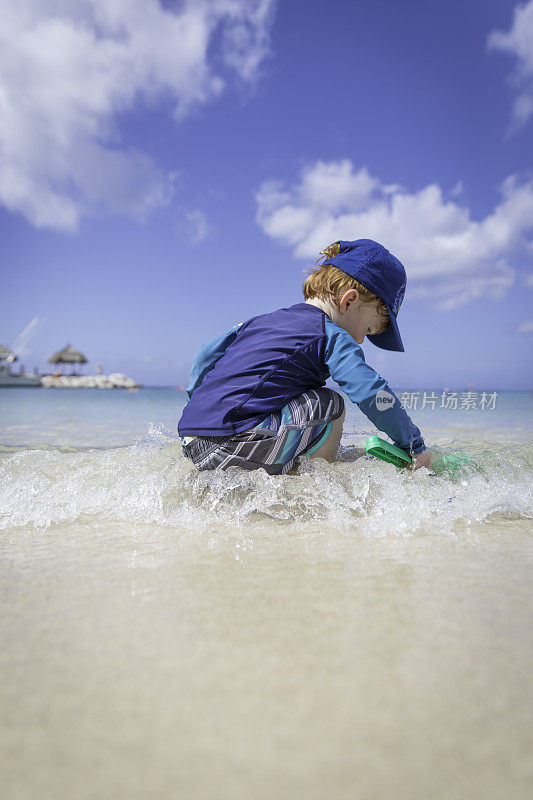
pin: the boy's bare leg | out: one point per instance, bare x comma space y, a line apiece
329, 449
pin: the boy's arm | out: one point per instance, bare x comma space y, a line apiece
346, 363
208, 355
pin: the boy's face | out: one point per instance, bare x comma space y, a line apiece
359, 319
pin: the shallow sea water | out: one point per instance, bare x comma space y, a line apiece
352, 631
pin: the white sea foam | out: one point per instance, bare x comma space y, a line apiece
151, 482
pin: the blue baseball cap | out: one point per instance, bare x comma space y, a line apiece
372, 265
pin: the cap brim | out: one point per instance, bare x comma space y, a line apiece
389, 339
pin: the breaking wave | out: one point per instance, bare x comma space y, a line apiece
151, 482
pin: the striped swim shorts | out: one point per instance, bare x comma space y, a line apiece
297, 429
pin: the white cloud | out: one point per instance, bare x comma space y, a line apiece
450, 258
519, 42
69, 68
194, 226
247, 41
526, 327
458, 190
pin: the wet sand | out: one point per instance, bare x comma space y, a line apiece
266, 661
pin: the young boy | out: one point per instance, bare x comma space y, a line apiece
256, 394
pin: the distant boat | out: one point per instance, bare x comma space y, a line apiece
8, 378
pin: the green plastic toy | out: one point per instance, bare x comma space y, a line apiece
375, 446
456, 465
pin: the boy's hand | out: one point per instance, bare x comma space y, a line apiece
422, 459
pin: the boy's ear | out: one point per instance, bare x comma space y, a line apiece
349, 297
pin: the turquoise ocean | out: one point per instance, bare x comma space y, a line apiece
82, 437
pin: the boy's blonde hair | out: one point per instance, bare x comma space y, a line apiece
329, 283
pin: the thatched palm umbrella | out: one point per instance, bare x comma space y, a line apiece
6, 355
67, 356
6, 358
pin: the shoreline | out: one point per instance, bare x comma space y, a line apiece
116, 380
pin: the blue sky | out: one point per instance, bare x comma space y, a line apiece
168, 169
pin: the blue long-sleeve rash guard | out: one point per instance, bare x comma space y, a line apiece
256, 367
